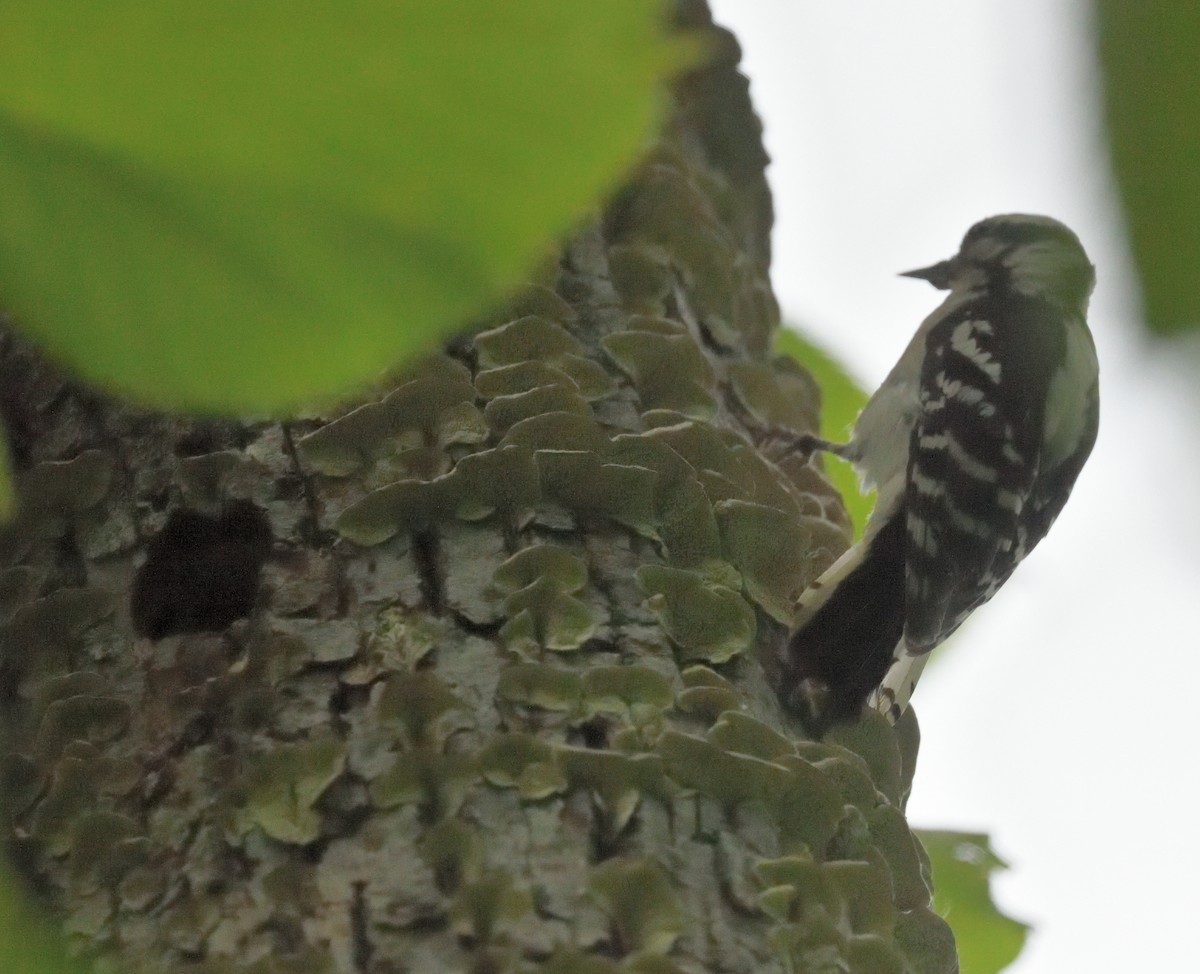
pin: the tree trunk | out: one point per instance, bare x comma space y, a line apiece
477, 675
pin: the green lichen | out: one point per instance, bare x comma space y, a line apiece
707, 694
802, 804
74, 684
927, 942
504, 412
777, 394
668, 209
707, 622
282, 787
873, 739
430, 409
42, 636
846, 770
582, 483
20, 783
865, 891
67, 486
529, 338
699, 675
542, 687
541, 561
504, 481
836, 913
682, 511
707, 703
647, 963
558, 431
509, 380
347, 445
538, 338
486, 909
669, 371
452, 850
18, 586
540, 583
742, 734
568, 960
767, 546
418, 702
400, 640
112, 775
436, 780
616, 781
762, 482
707, 449
72, 793
105, 845
523, 762
908, 740
539, 300
641, 275
899, 848
405, 506
87, 718
439, 408
639, 901
209, 478
636, 693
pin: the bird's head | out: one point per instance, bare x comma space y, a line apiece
1032, 255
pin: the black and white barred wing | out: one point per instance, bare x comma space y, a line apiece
971, 471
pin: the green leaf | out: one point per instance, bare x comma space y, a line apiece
1152, 100
988, 941
27, 943
7, 499
239, 206
841, 400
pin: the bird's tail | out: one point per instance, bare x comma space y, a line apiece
849, 623
896, 690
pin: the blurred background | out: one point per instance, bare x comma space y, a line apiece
1061, 720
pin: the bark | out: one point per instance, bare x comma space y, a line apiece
501, 695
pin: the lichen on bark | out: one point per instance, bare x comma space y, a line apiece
504, 699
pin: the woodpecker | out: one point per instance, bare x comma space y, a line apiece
973, 443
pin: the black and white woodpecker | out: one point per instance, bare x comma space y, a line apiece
973, 443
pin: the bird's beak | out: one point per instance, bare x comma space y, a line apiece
939, 275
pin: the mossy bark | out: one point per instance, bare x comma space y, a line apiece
504, 701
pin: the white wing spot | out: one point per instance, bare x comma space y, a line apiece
963, 341
976, 469
951, 387
1010, 500
967, 524
926, 486
922, 537
969, 396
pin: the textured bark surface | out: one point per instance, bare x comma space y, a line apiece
502, 700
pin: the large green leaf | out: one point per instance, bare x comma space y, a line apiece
1149, 53
841, 400
7, 500
27, 943
230, 205
988, 941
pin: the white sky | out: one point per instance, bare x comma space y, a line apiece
1063, 720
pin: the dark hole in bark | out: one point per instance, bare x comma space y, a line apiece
201, 572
